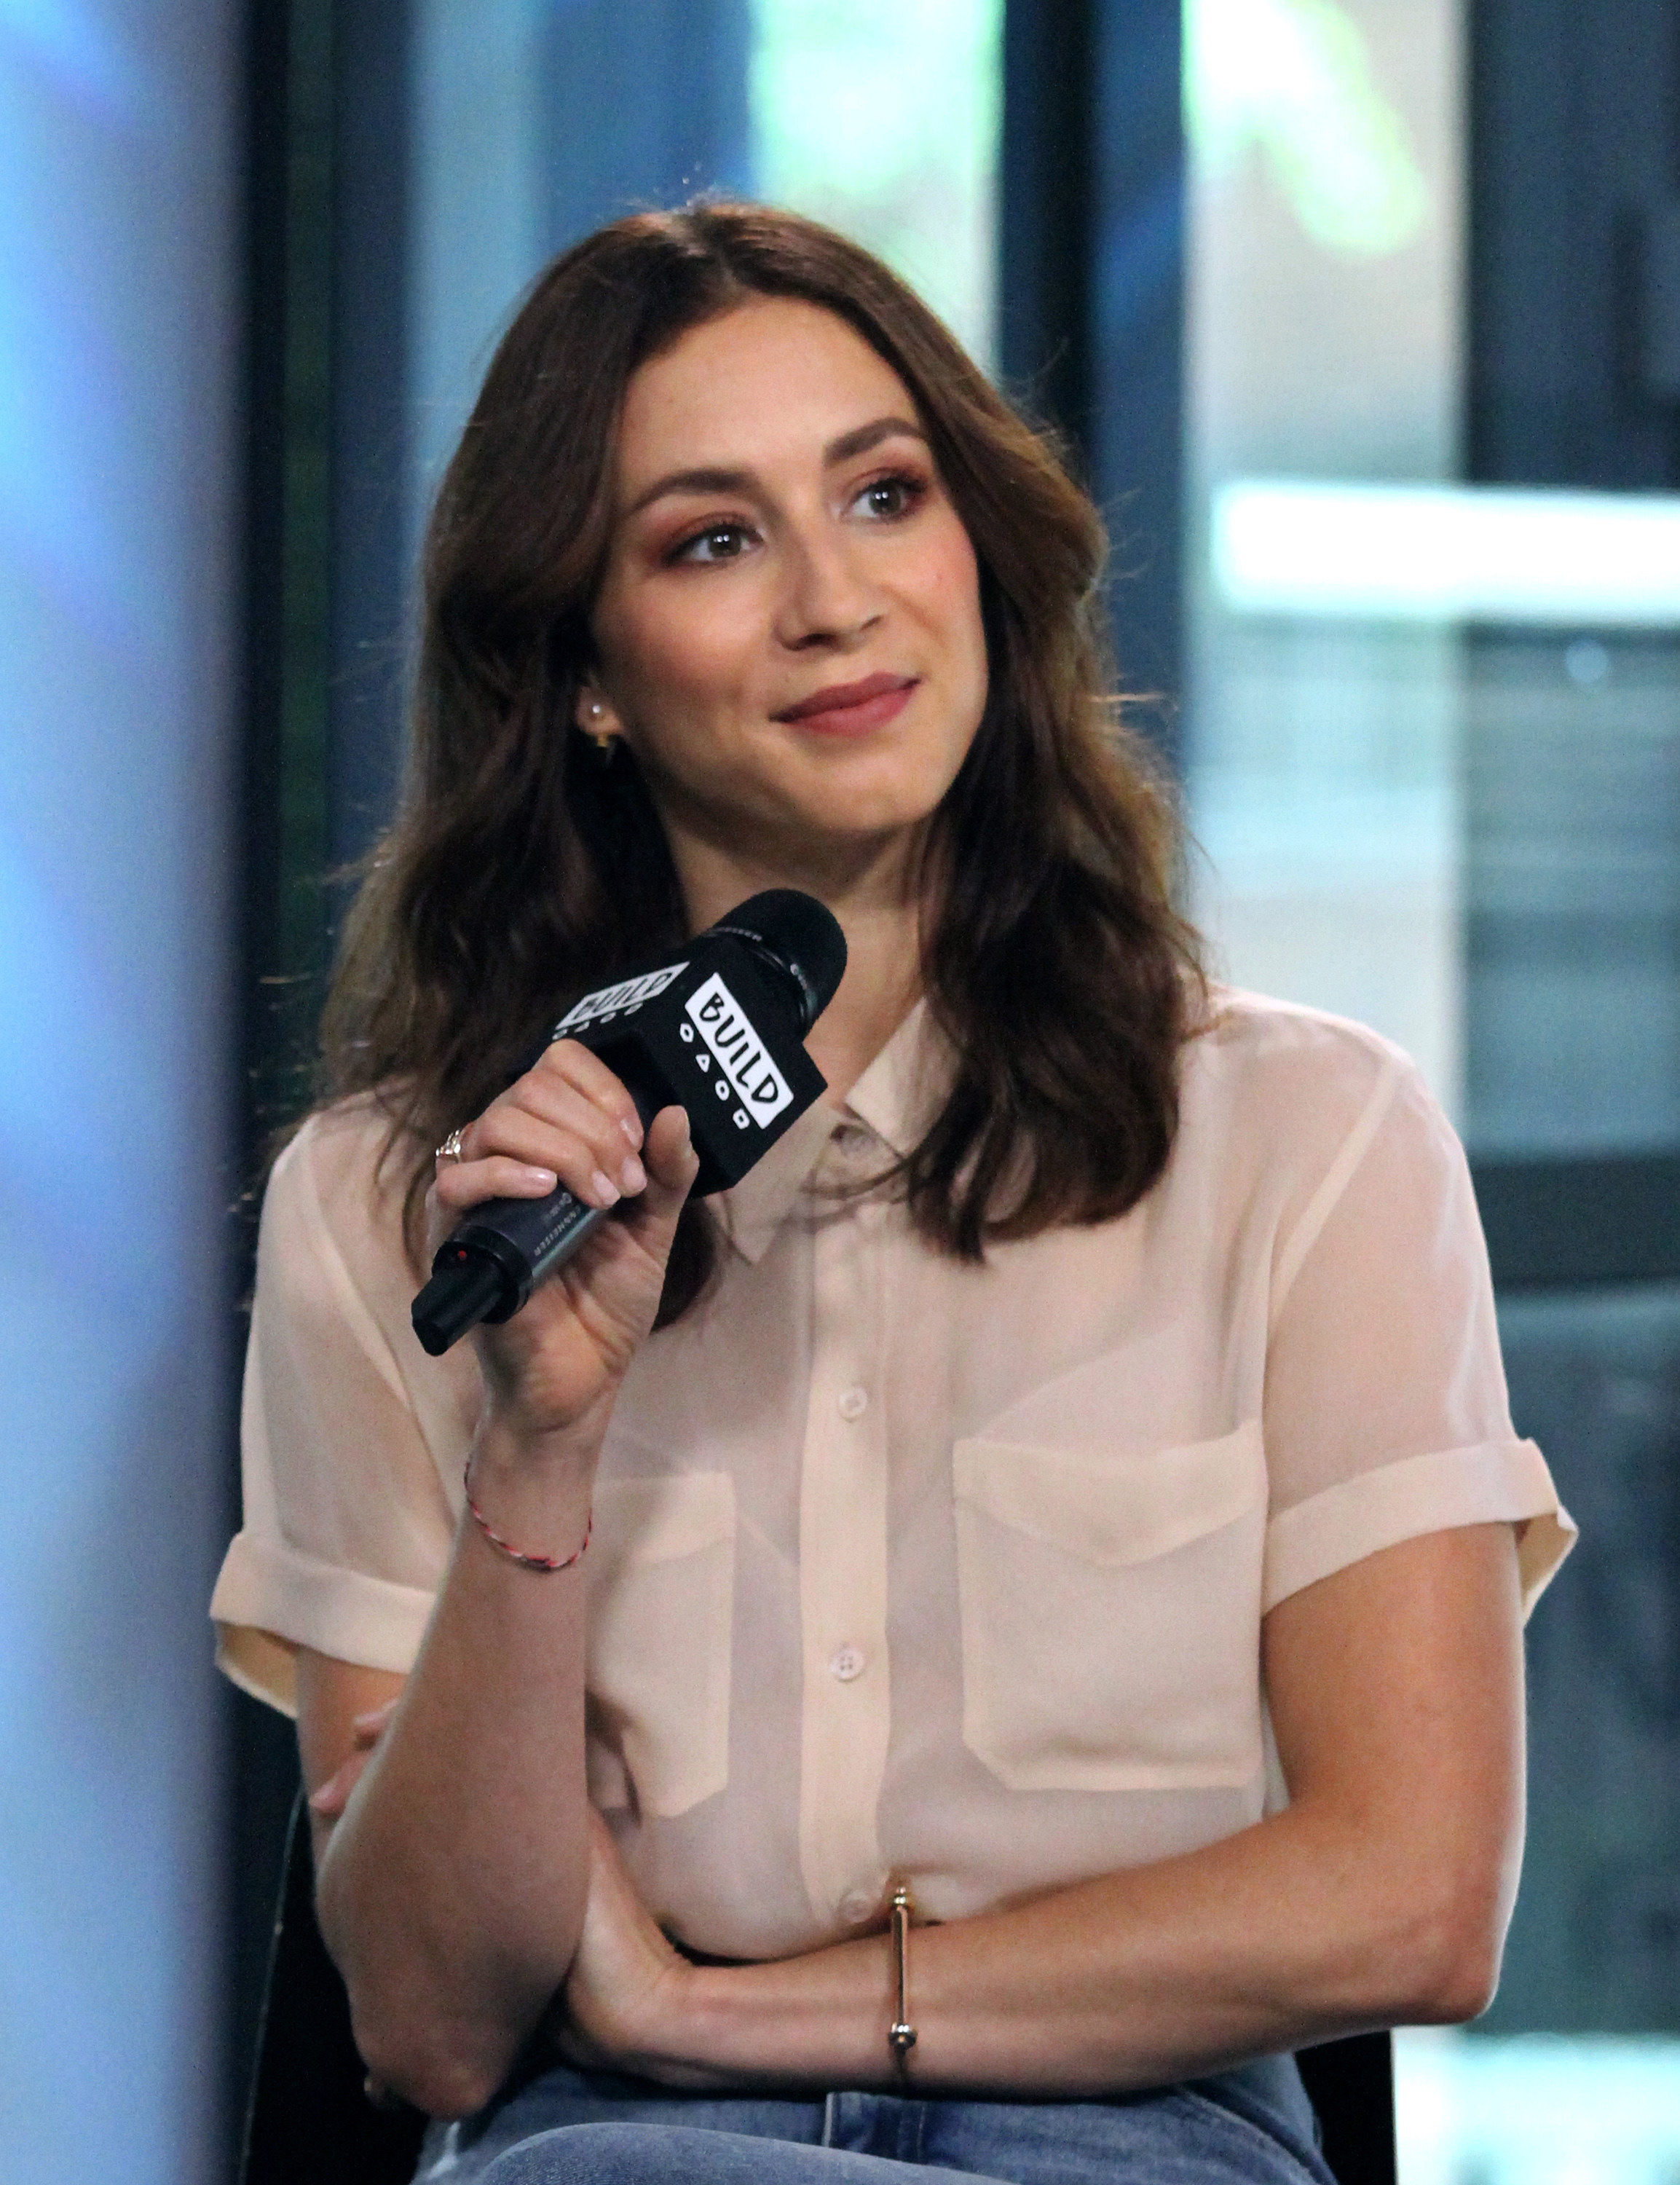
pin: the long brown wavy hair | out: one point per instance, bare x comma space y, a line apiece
521, 870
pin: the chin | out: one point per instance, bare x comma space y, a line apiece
867, 819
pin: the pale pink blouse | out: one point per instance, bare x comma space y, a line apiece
907, 1568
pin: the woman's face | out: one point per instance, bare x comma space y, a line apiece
789, 629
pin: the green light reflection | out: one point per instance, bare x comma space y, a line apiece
1292, 80
881, 117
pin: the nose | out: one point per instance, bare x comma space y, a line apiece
827, 596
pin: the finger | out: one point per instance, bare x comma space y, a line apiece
368, 1729
525, 1120
511, 1153
541, 1125
672, 1165
584, 1070
334, 1793
465, 1184
498, 1177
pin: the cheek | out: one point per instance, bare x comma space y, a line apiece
673, 661
957, 600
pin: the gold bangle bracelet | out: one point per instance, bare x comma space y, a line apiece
900, 2034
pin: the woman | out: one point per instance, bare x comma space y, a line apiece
1071, 1480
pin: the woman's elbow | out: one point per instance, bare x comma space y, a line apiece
1456, 1957
439, 2025
447, 2053
443, 2078
1461, 1984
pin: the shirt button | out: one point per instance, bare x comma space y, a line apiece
853, 1403
856, 1906
847, 1663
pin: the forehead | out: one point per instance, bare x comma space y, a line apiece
773, 379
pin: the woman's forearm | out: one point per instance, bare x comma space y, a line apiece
1273, 1938
452, 1890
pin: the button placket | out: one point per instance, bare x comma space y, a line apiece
843, 1560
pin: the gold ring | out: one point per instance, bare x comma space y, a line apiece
450, 1148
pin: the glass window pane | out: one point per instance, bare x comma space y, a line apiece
1323, 343
1572, 862
847, 126
1432, 765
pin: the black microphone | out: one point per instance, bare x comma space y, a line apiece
717, 1029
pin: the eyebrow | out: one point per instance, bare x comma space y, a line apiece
857, 441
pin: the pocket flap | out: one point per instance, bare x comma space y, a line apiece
1113, 1511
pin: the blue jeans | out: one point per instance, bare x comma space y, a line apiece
1253, 2125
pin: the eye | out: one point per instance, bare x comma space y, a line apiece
886, 499
718, 542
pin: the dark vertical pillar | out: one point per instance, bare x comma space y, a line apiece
1091, 291
1046, 227
285, 673
1138, 288
370, 583
1574, 148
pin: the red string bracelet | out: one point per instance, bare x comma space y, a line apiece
506, 1547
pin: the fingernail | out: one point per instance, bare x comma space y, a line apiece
634, 1175
321, 1801
631, 1127
544, 1178
606, 1191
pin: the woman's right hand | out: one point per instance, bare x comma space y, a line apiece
555, 1367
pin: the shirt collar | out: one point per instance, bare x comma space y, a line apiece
903, 1088
896, 1098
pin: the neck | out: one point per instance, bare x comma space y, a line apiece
877, 913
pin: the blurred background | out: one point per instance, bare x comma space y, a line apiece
1363, 318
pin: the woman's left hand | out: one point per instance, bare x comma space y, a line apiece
330, 1800
625, 1993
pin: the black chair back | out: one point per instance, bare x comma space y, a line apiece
309, 2121
1351, 2085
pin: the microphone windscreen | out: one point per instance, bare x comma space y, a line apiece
801, 934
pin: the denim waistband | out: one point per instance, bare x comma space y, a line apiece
1253, 2121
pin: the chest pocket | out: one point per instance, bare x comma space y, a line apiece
1110, 1614
661, 1573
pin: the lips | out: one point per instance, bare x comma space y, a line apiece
867, 703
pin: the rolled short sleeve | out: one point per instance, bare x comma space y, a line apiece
348, 1520
1385, 1412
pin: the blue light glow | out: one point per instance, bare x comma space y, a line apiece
115, 354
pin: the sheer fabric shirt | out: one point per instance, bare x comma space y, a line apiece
904, 1568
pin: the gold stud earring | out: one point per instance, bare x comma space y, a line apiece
602, 740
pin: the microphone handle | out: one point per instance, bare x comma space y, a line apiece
492, 1260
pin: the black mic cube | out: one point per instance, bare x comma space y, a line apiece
712, 1034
